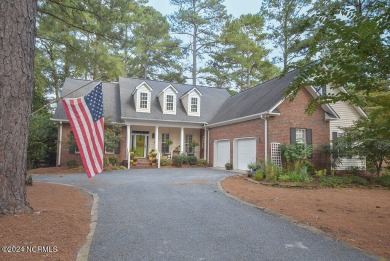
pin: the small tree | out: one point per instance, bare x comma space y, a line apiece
367, 138
295, 153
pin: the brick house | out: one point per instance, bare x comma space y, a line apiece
240, 129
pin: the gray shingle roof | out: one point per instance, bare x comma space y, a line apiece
211, 100
111, 100
258, 99
119, 102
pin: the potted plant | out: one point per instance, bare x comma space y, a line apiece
169, 142
228, 166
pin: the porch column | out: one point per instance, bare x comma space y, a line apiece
205, 145
59, 145
156, 146
156, 138
128, 138
181, 140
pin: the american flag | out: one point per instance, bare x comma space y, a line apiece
85, 116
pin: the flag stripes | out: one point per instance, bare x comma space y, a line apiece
88, 133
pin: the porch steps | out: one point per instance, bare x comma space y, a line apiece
143, 164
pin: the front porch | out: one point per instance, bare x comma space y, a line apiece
167, 139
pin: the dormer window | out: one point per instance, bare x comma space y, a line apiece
142, 97
194, 104
167, 100
169, 103
191, 101
143, 101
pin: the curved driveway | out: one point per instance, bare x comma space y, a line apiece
180, 214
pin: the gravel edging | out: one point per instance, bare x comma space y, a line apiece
291, 220
83, 253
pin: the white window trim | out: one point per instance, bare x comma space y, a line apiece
139, 94
304, 136
165, 110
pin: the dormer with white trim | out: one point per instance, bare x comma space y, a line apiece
142, 97
191, 102
167, 99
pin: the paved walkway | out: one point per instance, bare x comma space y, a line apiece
180, 214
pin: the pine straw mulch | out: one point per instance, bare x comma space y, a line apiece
59, 223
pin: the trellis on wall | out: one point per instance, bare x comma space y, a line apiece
276, 154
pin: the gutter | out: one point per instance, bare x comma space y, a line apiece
245, 118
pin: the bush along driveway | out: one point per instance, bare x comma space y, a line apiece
180, 214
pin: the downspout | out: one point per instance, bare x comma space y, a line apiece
204, 141
265, 138
59, 145
208, 146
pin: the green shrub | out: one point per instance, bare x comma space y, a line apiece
113, 161
334, 181
359, 180
177, 160
202, 162
384, 180
271, 171
153, 154
228, 166
106, 162
164, 162
184, 159
302, 176
131, 162
192, 160
354, 170
258, 175
320, 173
72, 164
310, 167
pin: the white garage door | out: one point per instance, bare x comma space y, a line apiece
245, 153
221, 153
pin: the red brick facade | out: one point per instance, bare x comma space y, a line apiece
292, 115
67, 155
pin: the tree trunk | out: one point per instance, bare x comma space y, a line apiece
17, 40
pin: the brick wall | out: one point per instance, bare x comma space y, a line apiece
252, 128
66, 156
292, 115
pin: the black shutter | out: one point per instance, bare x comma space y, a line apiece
309, 139
117, 150
72, 148
293, 135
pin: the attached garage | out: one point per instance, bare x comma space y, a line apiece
221, 152
244, 153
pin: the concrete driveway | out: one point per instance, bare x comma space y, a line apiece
180, 214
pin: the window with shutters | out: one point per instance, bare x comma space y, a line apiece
300, 136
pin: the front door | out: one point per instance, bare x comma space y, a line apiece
140, 143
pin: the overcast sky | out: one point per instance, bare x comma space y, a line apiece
233, 7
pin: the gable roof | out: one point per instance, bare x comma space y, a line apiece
170, 86
212, 99
192, 90
111, 100
261, 98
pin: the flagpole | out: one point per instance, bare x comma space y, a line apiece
56, 100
